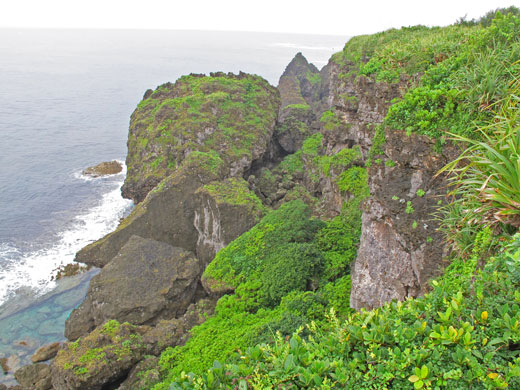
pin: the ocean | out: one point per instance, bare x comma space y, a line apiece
65, 103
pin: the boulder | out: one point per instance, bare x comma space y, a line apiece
100, 359
146, 281
46, 352
167, 213
104, 169
34, 376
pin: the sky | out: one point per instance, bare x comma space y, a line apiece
333, 17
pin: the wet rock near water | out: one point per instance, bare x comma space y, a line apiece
104, 169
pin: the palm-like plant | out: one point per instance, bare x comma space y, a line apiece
488, 170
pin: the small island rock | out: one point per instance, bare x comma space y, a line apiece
104, 169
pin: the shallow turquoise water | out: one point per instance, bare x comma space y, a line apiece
23, 332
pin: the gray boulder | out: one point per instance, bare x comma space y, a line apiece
147, 280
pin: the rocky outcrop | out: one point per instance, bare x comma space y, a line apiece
104, 169
231, 115
146, 281
166, 215
401, 248
191, 209
103, 357
113, 354
303, 101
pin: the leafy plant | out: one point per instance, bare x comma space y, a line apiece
487, 171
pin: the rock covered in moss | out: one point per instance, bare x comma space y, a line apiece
103, 357
231, 115
147, 280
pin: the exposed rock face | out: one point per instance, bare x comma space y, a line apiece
46, 352
166, 215
231, 115
303, 101
104, 169
400, 246
192, 209
226, 210
34, 376
147, 280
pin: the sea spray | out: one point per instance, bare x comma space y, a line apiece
34, 269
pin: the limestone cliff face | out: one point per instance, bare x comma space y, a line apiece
400, 248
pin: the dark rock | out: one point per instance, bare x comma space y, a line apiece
3, 387
302, 103
143, 376
146, 281
166, 215
104, 169
46, 352
34, 376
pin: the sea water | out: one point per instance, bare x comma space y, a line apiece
66, 97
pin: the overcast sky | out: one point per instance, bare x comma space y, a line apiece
344, 17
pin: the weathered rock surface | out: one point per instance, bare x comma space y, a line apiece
46, 352
104, 169
166, 215
400, 245
103, 357
303, 102
231, 115
146, 281
34, 376
399, 250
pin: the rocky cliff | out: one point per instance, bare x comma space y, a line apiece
208, 156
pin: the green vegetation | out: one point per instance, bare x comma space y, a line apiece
286, 271
462, 335
222, 114
285, 322
234, 191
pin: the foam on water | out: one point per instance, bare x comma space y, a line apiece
35, 269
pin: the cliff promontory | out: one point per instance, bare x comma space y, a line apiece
352, 228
